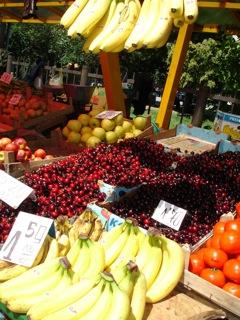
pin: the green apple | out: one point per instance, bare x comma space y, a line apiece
108, 124
93, 142
119, 120
85, 137
84, 119
129, 135
137, 132
74, 125
127, 126
100, 133
93, 123
74, 137
86, 130
140, 123
119, 132
111, 137
65, 132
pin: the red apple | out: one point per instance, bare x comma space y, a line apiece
11, 147
49, 156
21, 155
20, 142
28, 153
4, 142
37, 158
40, 153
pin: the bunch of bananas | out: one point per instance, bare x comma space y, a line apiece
144, 268
114, 25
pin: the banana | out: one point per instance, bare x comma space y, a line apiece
176, 8
142, 256
128, 252
72, 12
96, 253
138, 300
161, 29
127, 282
139, 26
99, 28
97, 230
178, 22
154, 261
190, 11
83, 260
5, 264
151, 15
120, 307
23, 304
68, 297
108, 28
170, 272
73, 253
89, 17
108, 238
63, 245
73, 236
125, 26
53, 250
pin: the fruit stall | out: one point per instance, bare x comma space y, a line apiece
115, 220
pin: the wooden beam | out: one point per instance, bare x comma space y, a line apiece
10, 14
215, 28
55, 11
39, 4
174, 75
9, 20
219, 5
112, 81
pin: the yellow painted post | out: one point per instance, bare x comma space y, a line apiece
112, 81
174, 75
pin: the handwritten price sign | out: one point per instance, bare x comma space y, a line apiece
12, 191
169, 215
15, 99
108, 114
6, 77
25, 239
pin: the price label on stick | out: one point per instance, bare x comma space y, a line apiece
12, 191
15, 99
25, 239
108, 114
169, 215
6, 77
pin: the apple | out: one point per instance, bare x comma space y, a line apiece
95, 112
85, 137
28, 153
37, 159
74, 137
137, 132
119, 120
74, 125
11, 147
21, 155
93, 123
93, 142
4, 142
129, 135
84, 119
127, 126
100, 133
49, 156
111, 137
65, 132
108, 124
40, 153
86, 130
20, 142
140, 123
119, 131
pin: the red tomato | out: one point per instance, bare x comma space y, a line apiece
215, 243
233, 225
232, 288
219, 227
231, 270
196, 264
238, 209
209, 243
215, 258
238, 257
215, 276
230, 242
200, 252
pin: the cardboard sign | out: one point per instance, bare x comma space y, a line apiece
6, 77
25, 239
12, 191
227, 123
169, 215
15, 99
114, 193
110, 114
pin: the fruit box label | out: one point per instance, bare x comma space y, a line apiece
110, 114
25, 239
12, 191
15, 99
169, 215
6, 77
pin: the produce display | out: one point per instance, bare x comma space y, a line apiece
219, 260
21, 150
90, 131
112, 26
131, 267
22, 108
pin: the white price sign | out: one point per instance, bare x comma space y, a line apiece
25, 239
169, 215
108, 114
12, 191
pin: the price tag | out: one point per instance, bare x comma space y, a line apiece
25, 239
6, 77
169, 215
114, 221
12, 191
108, 114
15, 99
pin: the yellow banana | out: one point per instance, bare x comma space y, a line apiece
138, 300
68, 297
53, 250
63, 245
127, 282
142, 256
170, 272
120, 307
176, 8
5, 264
124, 28
89, 17
178, 22
139, 26
190, 11
73, 253
11, 272
72, 12
108, 238
83, 260
108, 28
161, 29
97, 230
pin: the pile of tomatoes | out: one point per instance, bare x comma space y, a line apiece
219, 261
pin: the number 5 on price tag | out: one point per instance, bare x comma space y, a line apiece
25, 239
169, 215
